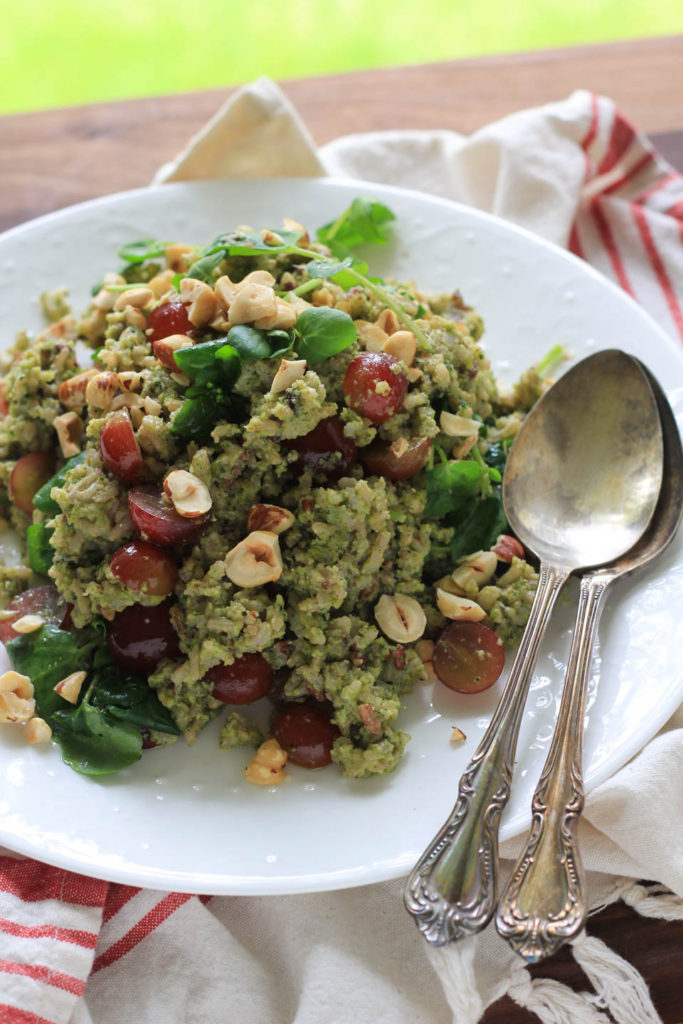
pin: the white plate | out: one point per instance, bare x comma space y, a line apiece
184, 819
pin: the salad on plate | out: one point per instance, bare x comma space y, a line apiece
254, 480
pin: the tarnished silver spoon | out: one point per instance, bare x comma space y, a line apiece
543, 905
580, 486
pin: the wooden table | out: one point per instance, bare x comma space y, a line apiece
52, 159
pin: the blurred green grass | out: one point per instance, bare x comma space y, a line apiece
62, 52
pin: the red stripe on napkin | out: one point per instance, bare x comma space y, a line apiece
47, 975
32, 882
11, 1015
88, 940
117, 897
623, 134
607, 239
658, 266
147, 924
629, 175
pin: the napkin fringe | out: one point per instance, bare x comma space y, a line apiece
619, 987
553, 1002
653, 900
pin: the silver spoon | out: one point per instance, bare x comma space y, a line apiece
580, 486
543, 905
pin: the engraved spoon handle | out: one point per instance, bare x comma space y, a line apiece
453, 888
543, 904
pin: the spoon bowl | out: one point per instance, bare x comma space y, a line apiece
543, 905
584, 473
580, 487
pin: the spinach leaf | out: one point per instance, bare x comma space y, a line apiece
101, 734
449, 485
363, 222
93, 743
126, 697
40, 552
145, 249
323, 331
480, 522
42, 500
46, 656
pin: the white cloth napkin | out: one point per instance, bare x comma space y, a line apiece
77, 950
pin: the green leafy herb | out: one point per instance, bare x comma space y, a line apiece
196, 418
250, 342
93, 743
127, 698
200, 362
203, 268
40, 552
327, 267
46, 656
145, 249
362, 223
450, 485
42, 500
322, 332
102, 733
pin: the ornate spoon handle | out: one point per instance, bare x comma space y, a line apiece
543, 904
452, 890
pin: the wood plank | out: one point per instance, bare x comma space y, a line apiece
51, 159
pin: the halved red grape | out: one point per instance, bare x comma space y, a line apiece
468, 657
119, 448
381, 459
158, 521
169, 318
325, 449
139, 638
45, 601
28, 475
306, 733
373, 388
248, 679
142, 566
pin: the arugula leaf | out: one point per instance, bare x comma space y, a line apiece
322, 332
94, 744
40, 552
449, 485
46, 656
361, 223
140, 251
42, 500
